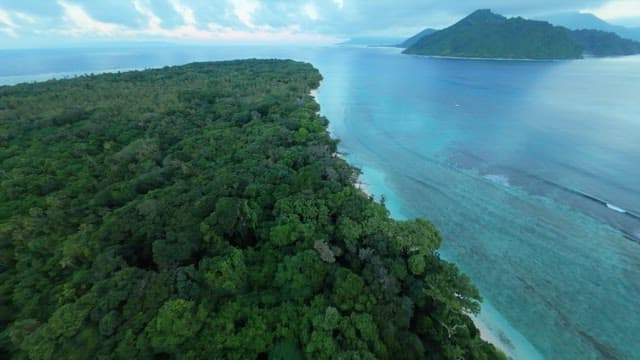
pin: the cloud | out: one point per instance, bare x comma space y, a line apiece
81, 23
7, 25
311, 11
618, 9
153, 21
6, 19
265, 34
78, 22
25, 17
244, 10
261, 20
9, 31
12, 21
185, 12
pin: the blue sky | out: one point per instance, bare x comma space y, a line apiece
36, 23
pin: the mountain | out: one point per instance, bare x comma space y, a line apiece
580, 21
484, 34
415, 38
372, 41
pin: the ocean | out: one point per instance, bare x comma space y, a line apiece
530, 170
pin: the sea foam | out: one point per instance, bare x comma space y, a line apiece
615, 208
498, 179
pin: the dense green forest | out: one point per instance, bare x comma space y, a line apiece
484, 34
601, 43
200, 212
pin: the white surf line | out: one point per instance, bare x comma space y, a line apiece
615, 208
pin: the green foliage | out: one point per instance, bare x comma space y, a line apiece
175, 323
601, 43
300, 276
416, 264
484, 34
351, 292
225, 273
285, 350
198, 212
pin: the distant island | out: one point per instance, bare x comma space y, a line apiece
484, 34
581, 21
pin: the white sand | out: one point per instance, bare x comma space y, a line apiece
489, 336
363, 186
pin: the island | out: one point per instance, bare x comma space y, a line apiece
582, 21
201, 211
484, 34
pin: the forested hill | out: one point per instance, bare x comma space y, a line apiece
199, 212
484, 34
602, 43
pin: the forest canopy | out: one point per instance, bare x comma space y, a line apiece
199, 212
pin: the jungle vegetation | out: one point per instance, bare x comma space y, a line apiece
201, 212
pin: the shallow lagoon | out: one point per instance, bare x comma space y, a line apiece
515, 162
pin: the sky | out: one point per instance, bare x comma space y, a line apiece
52, 23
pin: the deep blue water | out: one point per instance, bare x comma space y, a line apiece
514, 161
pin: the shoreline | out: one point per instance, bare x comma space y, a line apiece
372, 179
489, 336
491, 325
488, 58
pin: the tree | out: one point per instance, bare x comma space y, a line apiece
177, 321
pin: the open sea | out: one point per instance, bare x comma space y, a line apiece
530, 170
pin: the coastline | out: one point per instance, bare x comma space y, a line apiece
493, 328
372, 182
349, 118
314, 94
488, 58
489, 336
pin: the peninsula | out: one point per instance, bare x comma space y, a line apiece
199, 211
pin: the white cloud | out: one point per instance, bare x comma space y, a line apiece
143, 8
154, 23
339, 3
264, 34
81, 23
9, 31
25, 17
6, 19
245, 10
185, 12
10, 22
311, 11
214, 32
617, 9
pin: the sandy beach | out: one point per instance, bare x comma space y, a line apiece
489, 336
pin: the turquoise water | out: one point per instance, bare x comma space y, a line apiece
514, 161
